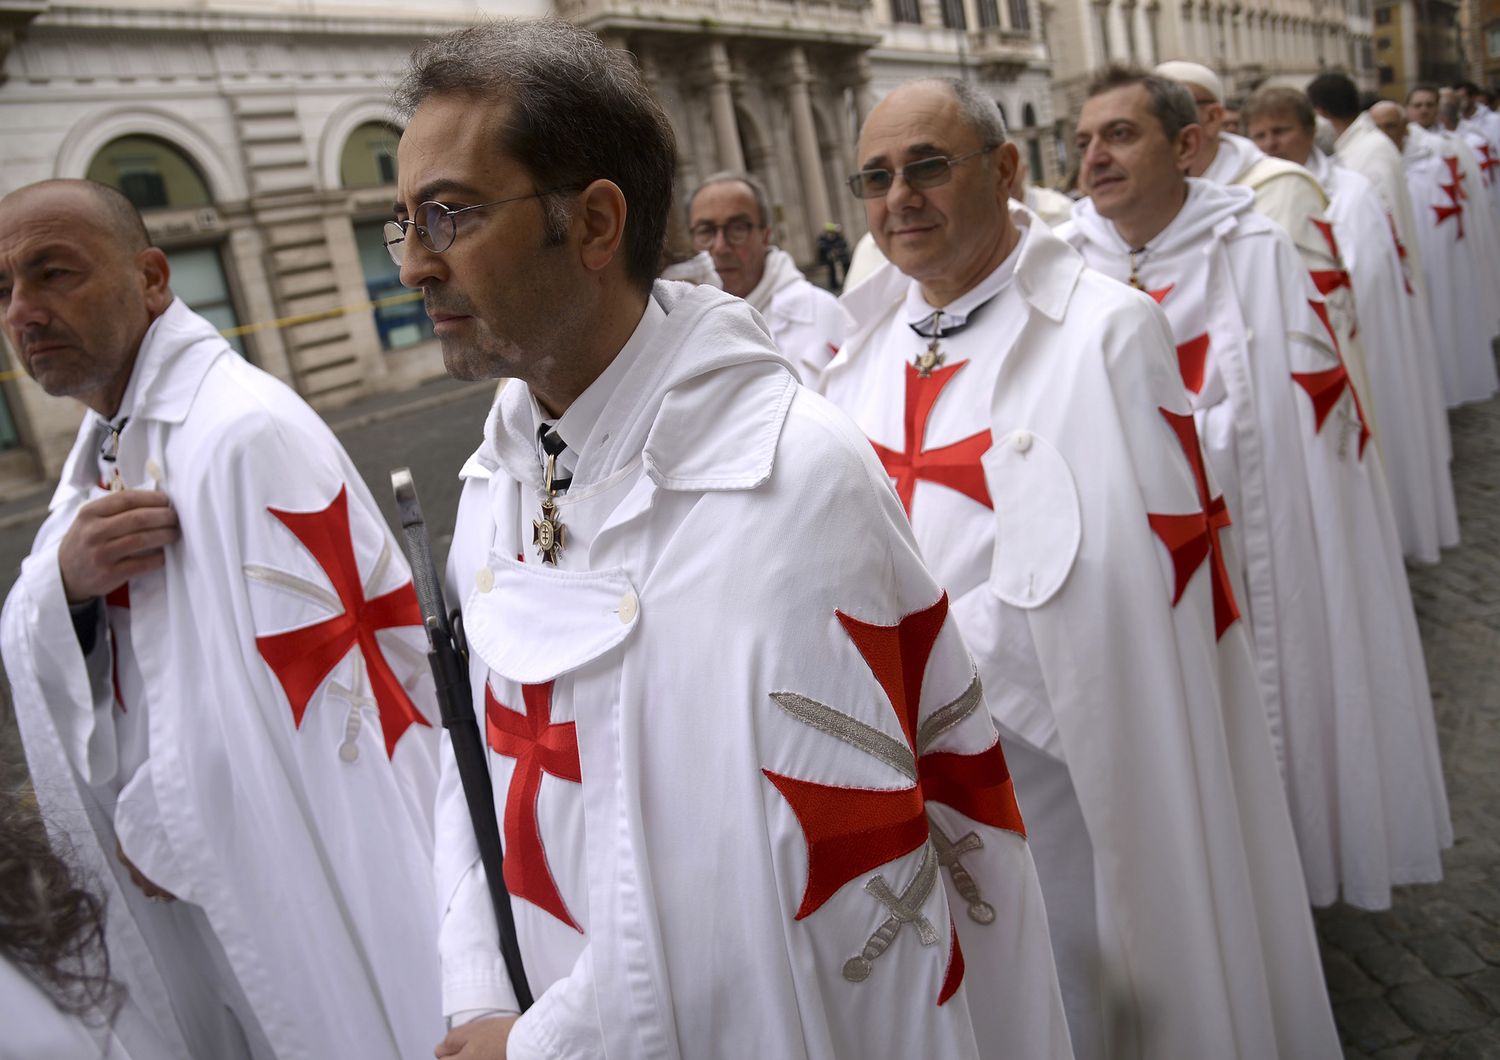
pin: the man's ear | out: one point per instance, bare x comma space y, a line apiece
1189, 141
156, 277
600, 218
1007, 162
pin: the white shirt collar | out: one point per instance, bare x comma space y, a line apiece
578, 426
956, 313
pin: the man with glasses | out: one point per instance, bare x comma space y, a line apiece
1030, 415
216, 660
1286, 193
729, 216
752, 802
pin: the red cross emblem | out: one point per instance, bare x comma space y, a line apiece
118, 597
301, 658
851, 831
1400, 253
539, 745
1192, 355
1192, 538
1330, 280
955, 466
1326, 387
1488, 161
1456, 194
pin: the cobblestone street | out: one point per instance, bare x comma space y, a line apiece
1423, 979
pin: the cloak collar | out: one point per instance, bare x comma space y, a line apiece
176, 353
702, 407
780, 273
1046, 274
1209, 209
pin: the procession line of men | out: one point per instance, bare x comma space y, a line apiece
1001, 665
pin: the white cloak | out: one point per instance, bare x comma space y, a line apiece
1162, 838
1292, 197
697, 846
1330, 612
311, 866
1413, 435
1364, 148
1462, 305
804, 319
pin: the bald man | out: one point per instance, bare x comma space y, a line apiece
210, 722
1391, 120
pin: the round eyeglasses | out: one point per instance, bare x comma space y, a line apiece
435, 225
735, 232
925, 173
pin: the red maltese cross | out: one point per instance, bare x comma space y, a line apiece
955, 466
539, 745
1192, 355
1330, 280
301, 658
1326, 387
1456, 195
851, 831
1192, 538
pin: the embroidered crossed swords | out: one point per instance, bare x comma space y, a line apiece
939, 851
358, 694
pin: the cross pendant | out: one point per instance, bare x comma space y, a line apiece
547, 531
929, 359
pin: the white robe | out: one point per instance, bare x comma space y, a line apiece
1162, 839
35, 1027
1292, 197
1367, 150
697, 847
1413, 436
1462, 304
1331, 615
303, 872
804, 319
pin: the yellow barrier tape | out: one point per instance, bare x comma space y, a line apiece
285, 322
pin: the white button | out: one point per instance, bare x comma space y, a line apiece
1022, 441
485, 579
629, 606
153, 472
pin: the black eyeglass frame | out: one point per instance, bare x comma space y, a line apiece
940, 174
396, 230
701, 244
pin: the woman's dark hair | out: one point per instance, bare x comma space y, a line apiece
51, 925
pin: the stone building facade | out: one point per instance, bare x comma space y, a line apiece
1416, 42
257, 139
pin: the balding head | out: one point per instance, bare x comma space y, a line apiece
94, 204
79, 285
1391, 118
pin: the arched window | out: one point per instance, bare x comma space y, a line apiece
369, 158
155, 175
369, 161
152, 173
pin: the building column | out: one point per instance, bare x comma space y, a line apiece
805, 136
721, 107
864, 95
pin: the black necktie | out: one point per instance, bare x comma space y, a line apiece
928, 327
553, 445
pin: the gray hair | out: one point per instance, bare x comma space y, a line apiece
1170, 102
762, 197
1279, 99
579, 112
978, 111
